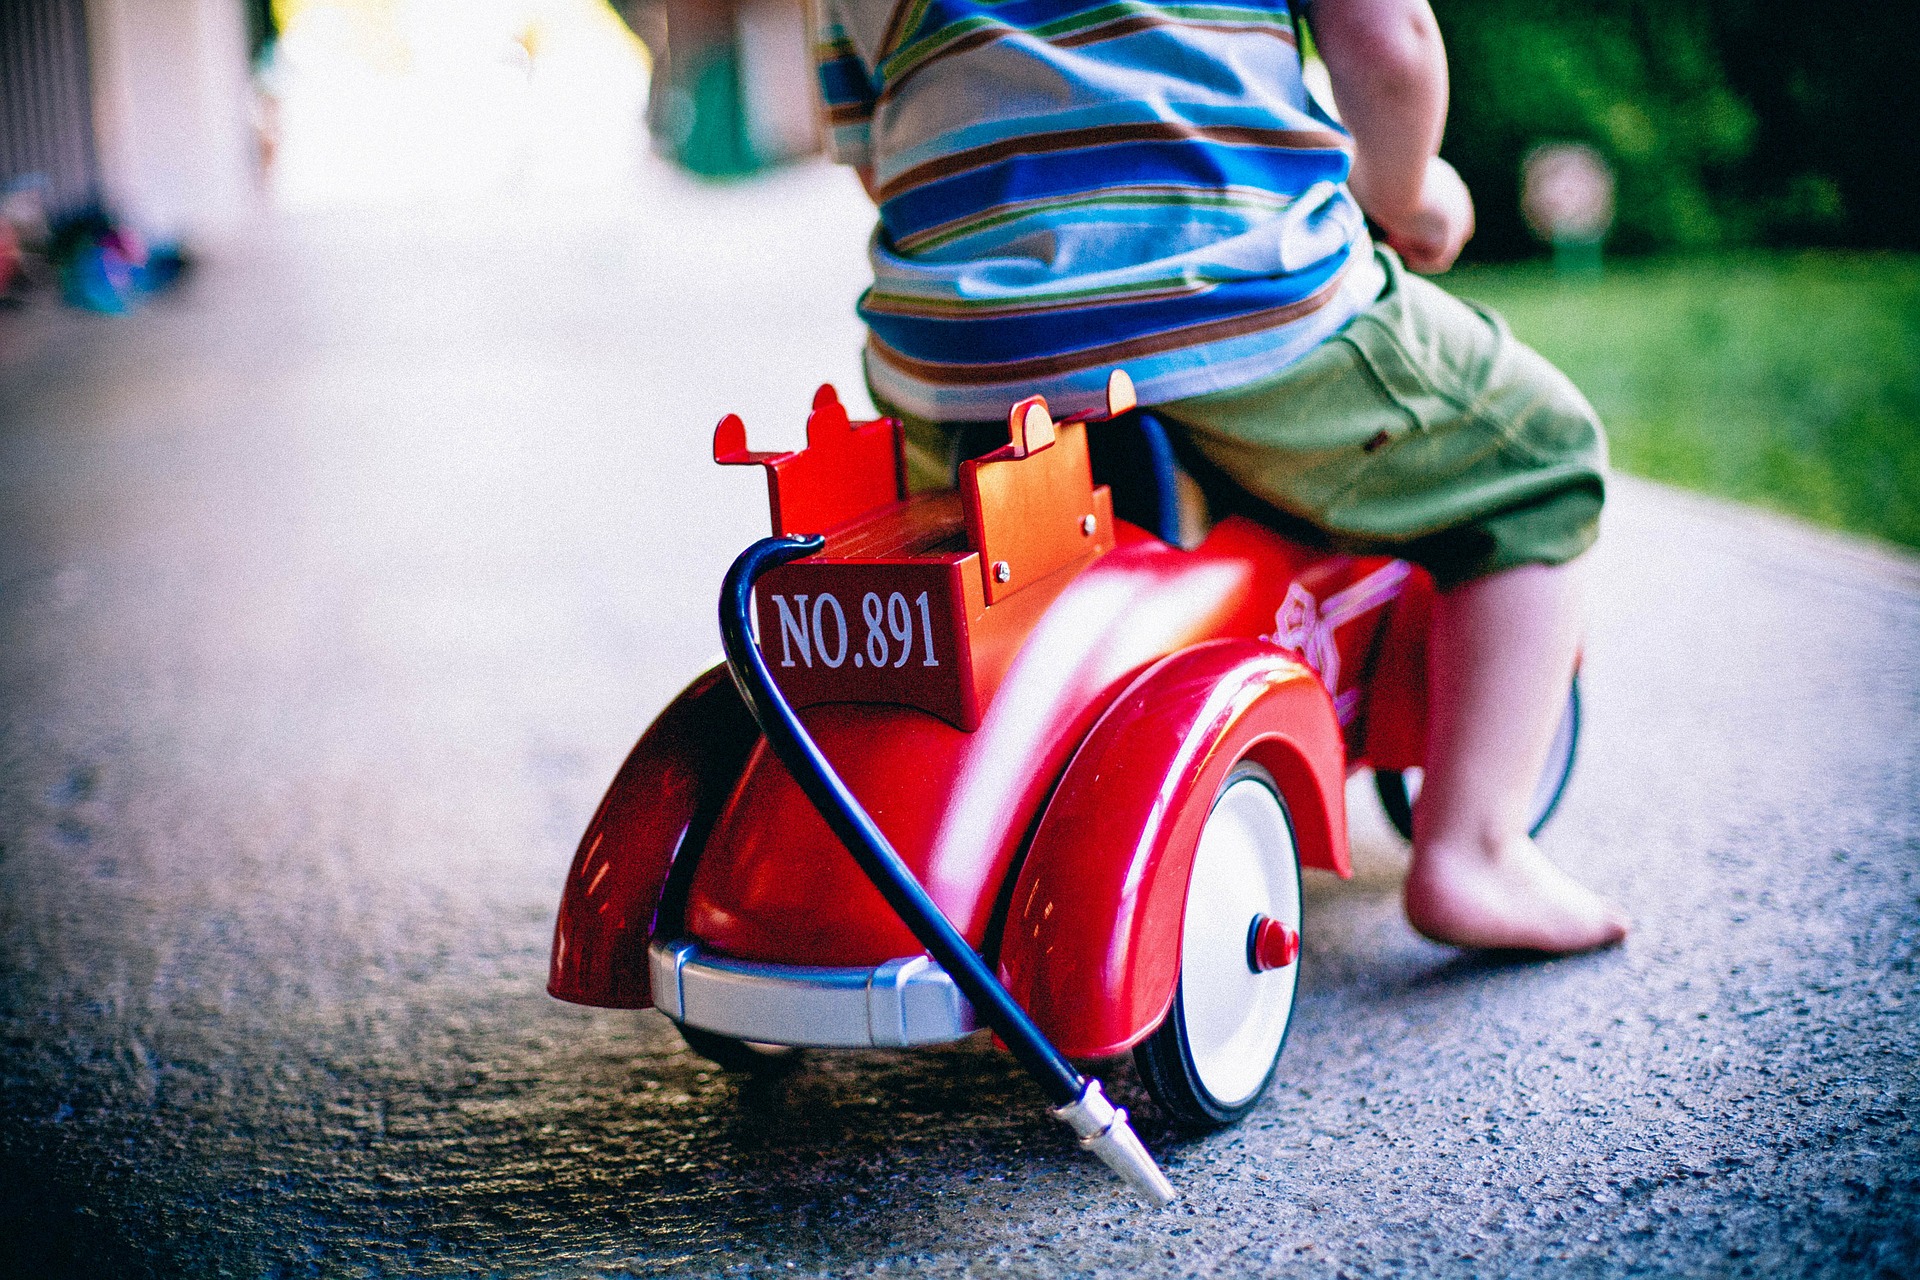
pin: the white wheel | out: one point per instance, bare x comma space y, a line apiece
1239, 968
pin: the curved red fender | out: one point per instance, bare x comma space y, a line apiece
676, 777
1092, 941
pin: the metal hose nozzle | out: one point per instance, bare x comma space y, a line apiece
1104, 1130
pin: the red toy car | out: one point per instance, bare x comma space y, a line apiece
1051, 773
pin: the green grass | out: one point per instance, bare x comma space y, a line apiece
1788, 381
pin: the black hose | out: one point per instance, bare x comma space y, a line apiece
851, 823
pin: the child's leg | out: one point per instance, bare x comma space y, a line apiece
1500, 653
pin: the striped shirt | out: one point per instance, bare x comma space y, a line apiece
1071, 186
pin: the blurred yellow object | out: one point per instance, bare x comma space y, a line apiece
369, 26
529, 39
377, 32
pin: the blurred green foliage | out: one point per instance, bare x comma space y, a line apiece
1790, 380
1727, 121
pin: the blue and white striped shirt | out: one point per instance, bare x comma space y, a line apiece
1070, 186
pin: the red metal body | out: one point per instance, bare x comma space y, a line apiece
673, 780
1034, 701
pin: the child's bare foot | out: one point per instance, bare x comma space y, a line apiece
1514, 899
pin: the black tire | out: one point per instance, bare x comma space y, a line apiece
1391, 786
1397, 792
743, 1056
1178, 1059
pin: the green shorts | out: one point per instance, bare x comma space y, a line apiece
1422, 430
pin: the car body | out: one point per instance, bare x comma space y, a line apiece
1044, 709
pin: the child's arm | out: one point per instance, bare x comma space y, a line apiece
1389, 73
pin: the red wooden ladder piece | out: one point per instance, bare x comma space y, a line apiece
847, 471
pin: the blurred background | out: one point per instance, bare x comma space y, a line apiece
1729, 276
358, 364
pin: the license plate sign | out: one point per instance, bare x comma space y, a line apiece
870, 631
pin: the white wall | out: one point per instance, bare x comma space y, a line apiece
173, 112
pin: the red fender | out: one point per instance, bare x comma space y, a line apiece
676, 778
1092, 941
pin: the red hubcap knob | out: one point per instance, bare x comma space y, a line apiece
1271, 945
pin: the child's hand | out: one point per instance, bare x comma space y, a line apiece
1430, 235
1389, 72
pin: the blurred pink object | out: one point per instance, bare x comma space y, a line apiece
12, 258
1566, 193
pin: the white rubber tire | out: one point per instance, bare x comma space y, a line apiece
1210, 1062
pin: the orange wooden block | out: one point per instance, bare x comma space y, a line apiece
1029, 504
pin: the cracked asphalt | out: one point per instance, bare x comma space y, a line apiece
333, 590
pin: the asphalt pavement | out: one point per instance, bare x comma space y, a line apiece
334, 588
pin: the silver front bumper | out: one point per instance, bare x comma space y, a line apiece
902, 1002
